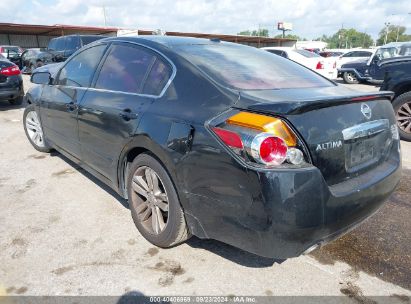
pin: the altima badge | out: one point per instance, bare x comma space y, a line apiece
329, 145
366, 110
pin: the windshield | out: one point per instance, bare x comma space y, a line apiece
384, 53
248, 68
90, 39
307, 54
11, 49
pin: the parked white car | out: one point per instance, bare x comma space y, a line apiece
353, 56
313, 61
5, 50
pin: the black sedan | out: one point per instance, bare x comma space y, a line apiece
219, 140
11, 83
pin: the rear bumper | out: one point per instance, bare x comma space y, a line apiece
12, 88
281, 214
10, 93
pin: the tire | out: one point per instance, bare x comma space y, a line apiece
402, 109
34, 130
350, 78
146, 207
17, 101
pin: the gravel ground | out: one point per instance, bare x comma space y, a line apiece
62, 232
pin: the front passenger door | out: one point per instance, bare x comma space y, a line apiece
60, 101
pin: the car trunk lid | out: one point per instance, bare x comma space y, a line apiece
347, 133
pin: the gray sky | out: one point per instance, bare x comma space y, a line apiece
310, 18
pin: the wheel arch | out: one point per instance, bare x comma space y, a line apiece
402, 88
138, 145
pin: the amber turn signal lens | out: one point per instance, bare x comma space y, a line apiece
266, 124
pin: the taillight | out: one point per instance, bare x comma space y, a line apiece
260, 139
269, 149
230, 138
335, 64
320, 65
10, 71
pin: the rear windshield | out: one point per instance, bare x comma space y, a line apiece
248, 68
307, 54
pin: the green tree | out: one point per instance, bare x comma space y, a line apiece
347, 38
393, 33
260, 32
244, 33
290, 36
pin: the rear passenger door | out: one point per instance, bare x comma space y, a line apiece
129, 79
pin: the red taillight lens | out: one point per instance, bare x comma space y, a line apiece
230, 138
10, 71
268, 149
319, 66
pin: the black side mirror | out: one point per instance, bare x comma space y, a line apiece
41, 78
375, 59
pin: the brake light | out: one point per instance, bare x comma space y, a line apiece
320, 65
230, 138
269, 149
364, 98
260, 139
2, 50
10, 71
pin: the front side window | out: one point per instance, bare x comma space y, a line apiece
125, 69
247, 68
71, 43
52, 44
60, 44
79, 71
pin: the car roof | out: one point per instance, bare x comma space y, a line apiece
78, 35
168, 41
280, 48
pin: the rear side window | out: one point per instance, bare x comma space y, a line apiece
247, 68
79, 71
158, 77
126, 69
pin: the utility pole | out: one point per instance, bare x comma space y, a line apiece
387, 24
105, 17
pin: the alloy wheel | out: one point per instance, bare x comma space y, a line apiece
351, 77
34, 130
151, 200
404, 117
